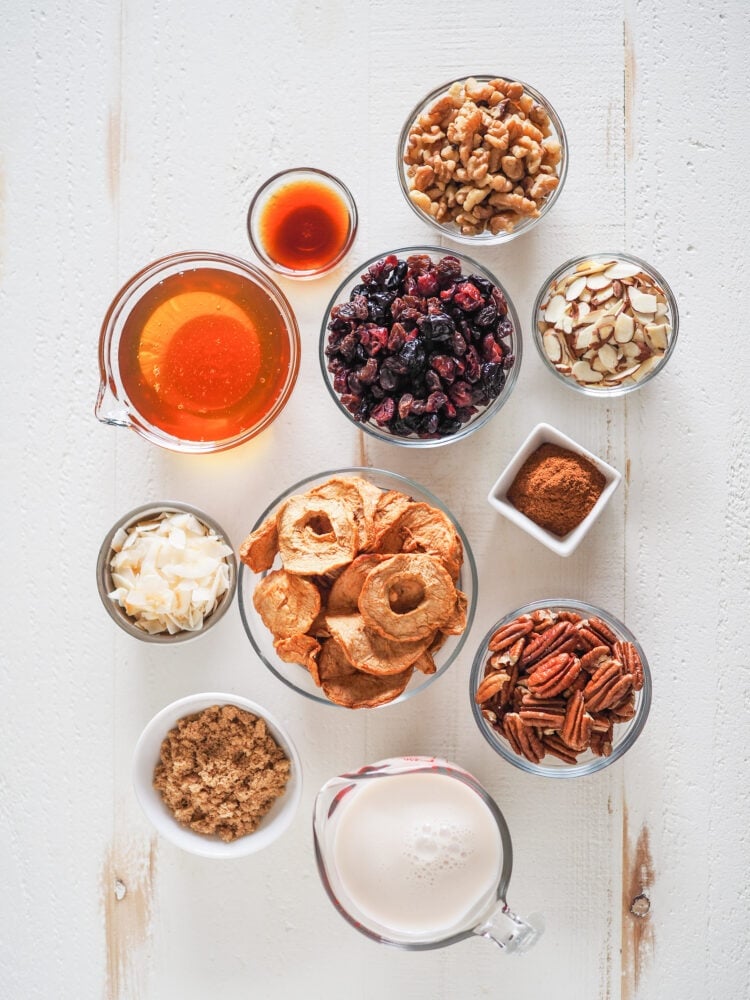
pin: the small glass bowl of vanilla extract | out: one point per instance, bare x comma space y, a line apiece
302, 222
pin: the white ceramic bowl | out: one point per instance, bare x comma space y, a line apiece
498, 496
146, 757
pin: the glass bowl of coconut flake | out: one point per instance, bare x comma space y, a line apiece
166, 572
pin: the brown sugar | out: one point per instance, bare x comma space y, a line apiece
556, 488
220, 771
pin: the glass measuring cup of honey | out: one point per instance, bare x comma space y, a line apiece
413, 852
198, 352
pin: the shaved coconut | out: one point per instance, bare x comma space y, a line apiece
169, 573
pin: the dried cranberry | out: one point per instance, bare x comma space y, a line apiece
428, 283
373, 338
432, 381
444, 366
468, 297
491, 350
384, 411
435, 401
473, 367
460, 394
353, 384
341, 381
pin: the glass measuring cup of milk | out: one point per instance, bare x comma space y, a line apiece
413, 852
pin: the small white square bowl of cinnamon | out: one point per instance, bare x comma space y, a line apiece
554, 489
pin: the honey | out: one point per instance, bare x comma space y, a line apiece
304, 226
204, 355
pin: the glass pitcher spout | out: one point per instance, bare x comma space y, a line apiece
509, 931
108, 408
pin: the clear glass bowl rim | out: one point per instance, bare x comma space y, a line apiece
451, 232
621, 390
634, 727
132, 288
468, 563
117, 614
484, 415
258, 201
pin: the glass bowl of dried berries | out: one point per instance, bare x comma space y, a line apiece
420, 347
482, 159
605, 324
560, 688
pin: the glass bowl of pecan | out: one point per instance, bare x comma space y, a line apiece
560, 688
605, 324
482, 159
420, 347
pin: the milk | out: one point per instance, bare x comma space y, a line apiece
418, 854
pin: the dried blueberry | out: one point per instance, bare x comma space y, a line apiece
493, 377
487, 315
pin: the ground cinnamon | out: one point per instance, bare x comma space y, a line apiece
556, 488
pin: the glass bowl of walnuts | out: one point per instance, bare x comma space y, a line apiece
482, 159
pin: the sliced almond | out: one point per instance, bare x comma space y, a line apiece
552, 347
583, 372
592, 266
624, 328
608, 357
584, 337
575, 288
648, 365
657, 336
622, 269
631, 349
603, 295
555, 308
567, 324
642, 302
597, 281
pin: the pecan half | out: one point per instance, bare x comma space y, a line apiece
546, 642
526, 739
554, 745
510, 634
554, 674
627, 654
576, 729
607, 687
490, 686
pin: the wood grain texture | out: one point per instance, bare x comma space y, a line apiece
137, 129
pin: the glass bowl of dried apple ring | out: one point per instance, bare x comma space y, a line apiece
357, 587
560, 688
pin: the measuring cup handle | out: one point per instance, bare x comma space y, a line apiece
509, 931
108, 408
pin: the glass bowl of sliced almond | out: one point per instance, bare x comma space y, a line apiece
560, 688
605, 324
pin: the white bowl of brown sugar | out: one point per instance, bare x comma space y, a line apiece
217, 775
554, 489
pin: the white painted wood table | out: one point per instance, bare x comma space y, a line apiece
135, 129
